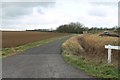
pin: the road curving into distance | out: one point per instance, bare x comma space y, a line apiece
44, 61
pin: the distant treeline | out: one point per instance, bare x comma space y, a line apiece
41, 30
96, 30
72, 28
79, 28
76, 27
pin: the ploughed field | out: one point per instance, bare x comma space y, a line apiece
17, 38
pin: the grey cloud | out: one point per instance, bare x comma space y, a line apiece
97, 12
119, 13
26, 4
18, 9
14, 12
119, 4
28, 0
104, 3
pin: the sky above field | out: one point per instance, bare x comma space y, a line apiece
41, 14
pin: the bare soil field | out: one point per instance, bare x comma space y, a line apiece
17, 38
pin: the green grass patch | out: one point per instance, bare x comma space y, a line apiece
91, 68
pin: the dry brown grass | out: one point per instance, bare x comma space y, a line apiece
87, 53
96, 40
94, 47
72, 46
14, 39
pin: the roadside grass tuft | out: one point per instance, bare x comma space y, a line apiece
11, 51
101, 71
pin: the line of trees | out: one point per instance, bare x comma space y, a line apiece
42, 30
76, 27
71, 28
96, 29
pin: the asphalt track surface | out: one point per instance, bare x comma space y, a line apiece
44, 61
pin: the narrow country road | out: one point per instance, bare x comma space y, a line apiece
40, 62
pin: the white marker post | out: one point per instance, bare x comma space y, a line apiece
109, 47
109, 53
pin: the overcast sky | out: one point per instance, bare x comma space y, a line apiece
38, 14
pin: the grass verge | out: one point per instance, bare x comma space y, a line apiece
102, 70
12, 51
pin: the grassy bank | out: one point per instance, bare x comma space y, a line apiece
12, 51
94, 46
73, 52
